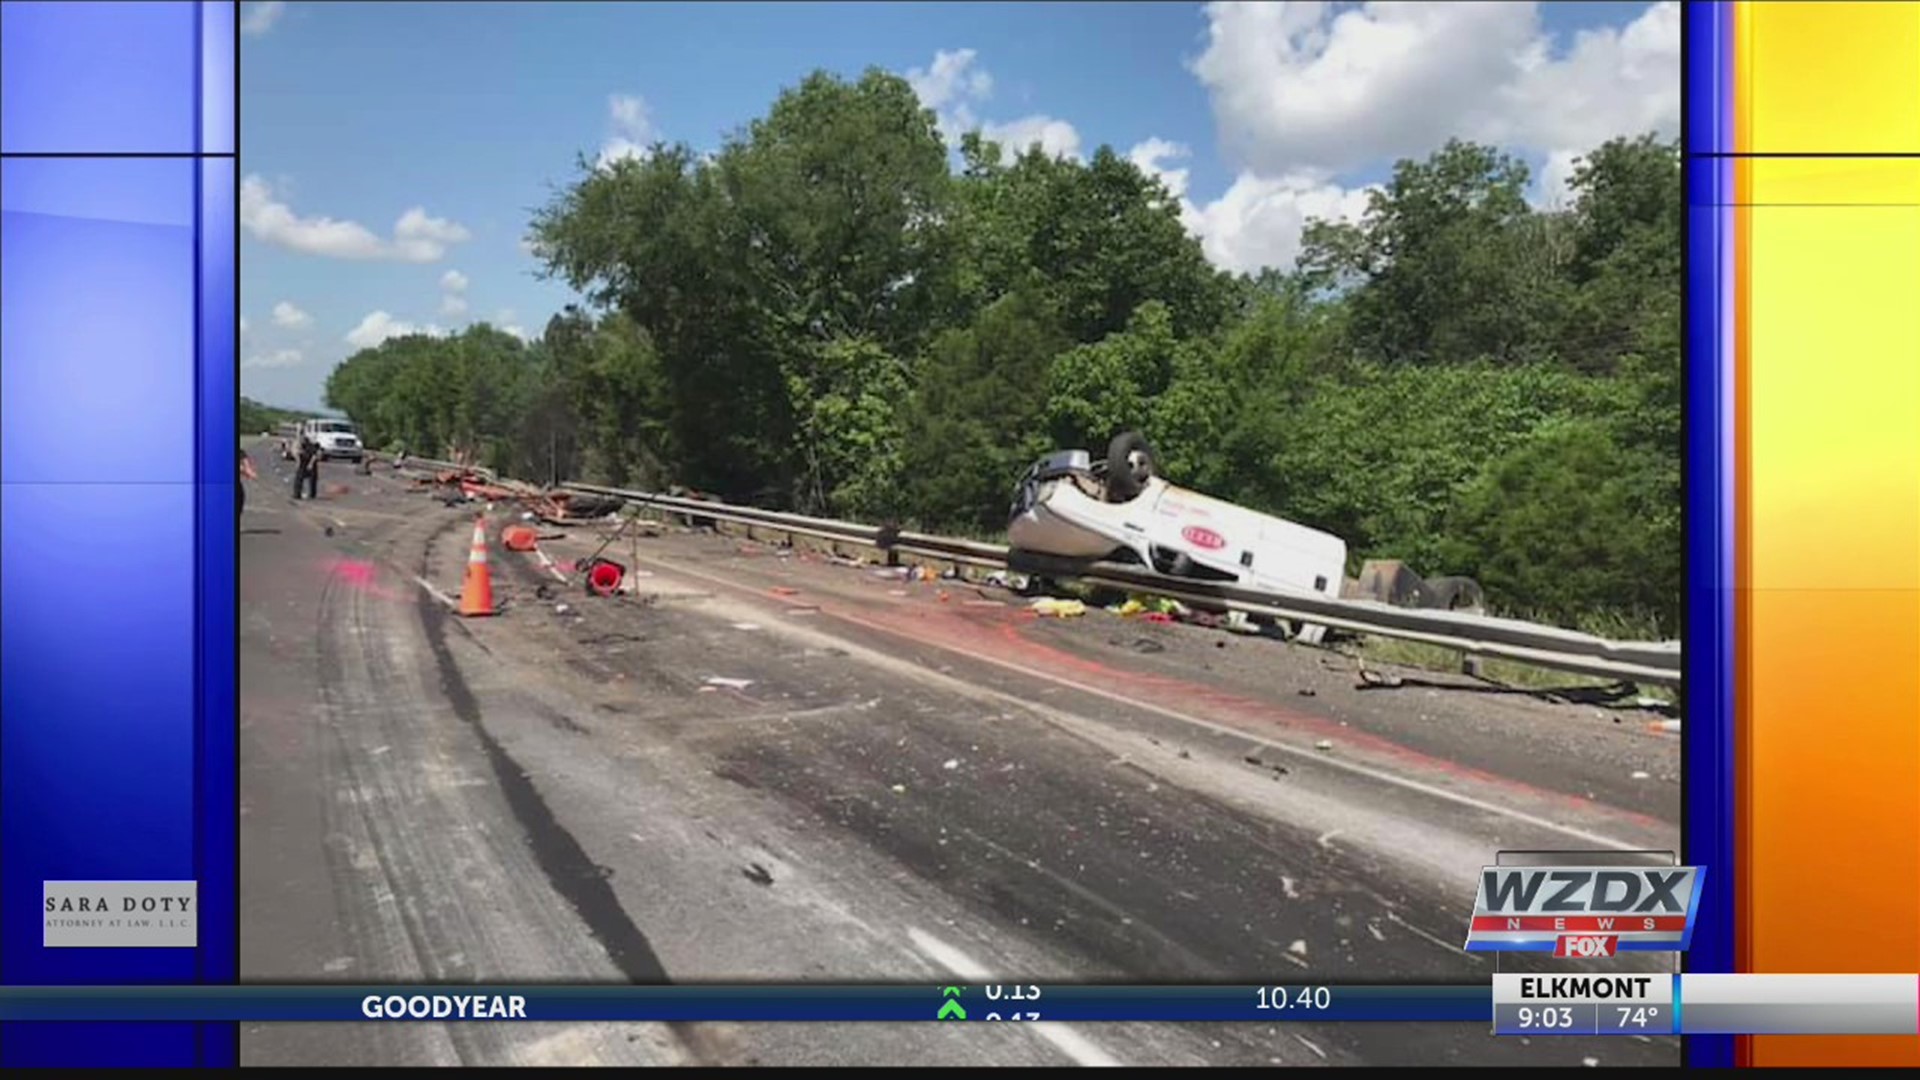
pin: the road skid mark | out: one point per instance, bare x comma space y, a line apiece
1368, 772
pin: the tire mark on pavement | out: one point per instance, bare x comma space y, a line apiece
574, 875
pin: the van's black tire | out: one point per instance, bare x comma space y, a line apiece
1455, 594
1122, 486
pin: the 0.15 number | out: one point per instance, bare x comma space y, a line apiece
1299, 997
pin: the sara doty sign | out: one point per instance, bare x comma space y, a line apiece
120, 914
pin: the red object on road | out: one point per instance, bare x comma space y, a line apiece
605, 577
519, 538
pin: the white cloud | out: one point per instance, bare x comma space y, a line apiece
1551, 187
1258, 222
951, 78
1315, 88
379, 326
260, 17
290, 317
630, 130
952, 87
280, 359
1056, 138
243, 324
417, 236
507, 322
453, 289
1150, 157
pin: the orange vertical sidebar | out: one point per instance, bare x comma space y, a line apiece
1827, 274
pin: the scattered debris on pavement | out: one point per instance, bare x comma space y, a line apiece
731, 684
1057, 608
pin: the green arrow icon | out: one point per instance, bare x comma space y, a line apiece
951, 991
951, 1011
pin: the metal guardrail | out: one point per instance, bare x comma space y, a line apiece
1657, 663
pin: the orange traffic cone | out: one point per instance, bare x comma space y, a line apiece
476, 596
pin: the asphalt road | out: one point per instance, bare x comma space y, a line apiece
890, 781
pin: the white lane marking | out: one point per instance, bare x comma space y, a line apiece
1082, 1050
549, 563
1394, 917
1378, 775
435, 593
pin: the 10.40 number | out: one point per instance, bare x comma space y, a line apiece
1299, 997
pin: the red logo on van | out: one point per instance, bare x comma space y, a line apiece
1201, 536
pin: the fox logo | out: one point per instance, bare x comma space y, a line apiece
1585, 946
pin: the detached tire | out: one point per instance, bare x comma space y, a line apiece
1455, 594
1130, 464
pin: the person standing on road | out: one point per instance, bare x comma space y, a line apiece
246, 473
307, 470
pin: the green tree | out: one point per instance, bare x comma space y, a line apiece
1430, 263
1555, 526
974, 418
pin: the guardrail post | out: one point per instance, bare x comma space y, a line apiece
1472, 666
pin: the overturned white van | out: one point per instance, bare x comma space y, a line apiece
1071, 509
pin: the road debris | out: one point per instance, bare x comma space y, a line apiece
1048, 606
758, 874
1370, 678
1323, 744
1640, 774
730, 684
950, 764
746, 626
899, 789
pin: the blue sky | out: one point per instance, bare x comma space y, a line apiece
393, 150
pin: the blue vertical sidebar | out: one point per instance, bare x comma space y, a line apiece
1708, 750
217, 809
116, 581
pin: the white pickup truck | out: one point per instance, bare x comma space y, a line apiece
1071, 511
336, 439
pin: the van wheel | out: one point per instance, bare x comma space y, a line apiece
1130, 464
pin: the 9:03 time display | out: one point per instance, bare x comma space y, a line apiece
1544, 1018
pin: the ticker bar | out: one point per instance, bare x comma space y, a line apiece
1538, 1004
946, 1004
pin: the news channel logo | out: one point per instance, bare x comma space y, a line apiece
1585, 905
